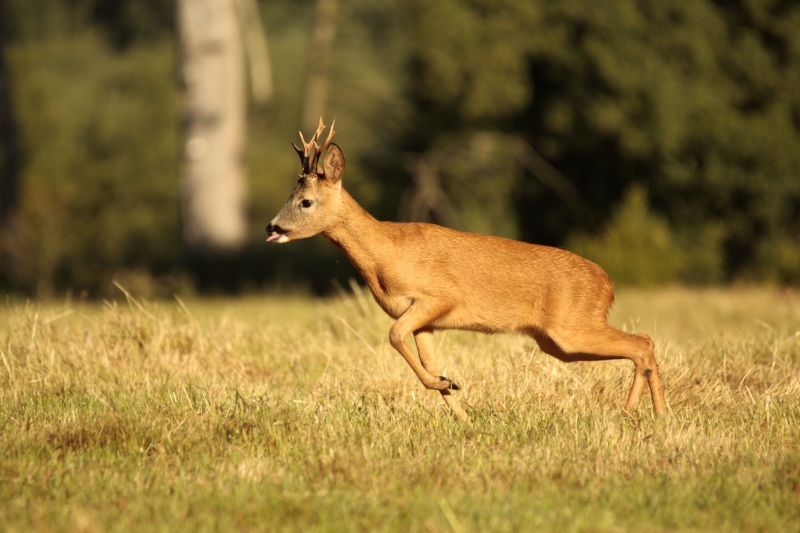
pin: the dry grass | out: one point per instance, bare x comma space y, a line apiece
292, 414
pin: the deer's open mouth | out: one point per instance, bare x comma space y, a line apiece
277, 233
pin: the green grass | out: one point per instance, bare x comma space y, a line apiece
291, 414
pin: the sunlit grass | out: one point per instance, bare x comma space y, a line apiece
282, 413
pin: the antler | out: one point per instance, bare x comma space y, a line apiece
327, 142
307, 158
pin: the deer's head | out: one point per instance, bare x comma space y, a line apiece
314, 203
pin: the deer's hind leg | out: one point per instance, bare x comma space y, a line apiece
424, 339
606, 343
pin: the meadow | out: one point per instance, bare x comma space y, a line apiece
286, 413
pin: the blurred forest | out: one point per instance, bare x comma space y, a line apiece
660, 138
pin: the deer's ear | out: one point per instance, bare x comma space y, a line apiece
334, 164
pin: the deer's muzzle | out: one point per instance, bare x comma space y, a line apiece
276, 233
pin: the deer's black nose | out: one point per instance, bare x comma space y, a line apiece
274, 228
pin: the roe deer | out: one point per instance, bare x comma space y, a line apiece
429, 278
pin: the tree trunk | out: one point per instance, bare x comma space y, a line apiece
255, 40
316, 91
213, 179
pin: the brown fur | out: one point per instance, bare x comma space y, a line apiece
430, 278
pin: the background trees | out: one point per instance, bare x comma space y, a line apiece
696, 102
667, 127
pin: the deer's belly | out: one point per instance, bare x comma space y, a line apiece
488, 318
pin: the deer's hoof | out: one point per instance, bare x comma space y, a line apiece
452, 385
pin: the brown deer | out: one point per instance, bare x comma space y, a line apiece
429, 278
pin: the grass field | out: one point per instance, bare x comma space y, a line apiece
291, 414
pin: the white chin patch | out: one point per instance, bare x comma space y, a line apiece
282, 239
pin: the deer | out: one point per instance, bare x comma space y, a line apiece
430, 278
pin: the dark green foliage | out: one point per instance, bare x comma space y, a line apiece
131, 21
638, 247
100, 191
695, 101
125, 22
698, 100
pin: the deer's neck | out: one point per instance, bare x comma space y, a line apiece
358, 234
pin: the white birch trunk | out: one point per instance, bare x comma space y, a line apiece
213, 180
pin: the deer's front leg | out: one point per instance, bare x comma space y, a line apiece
417, 317
424, 339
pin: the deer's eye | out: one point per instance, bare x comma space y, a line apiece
306, 203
